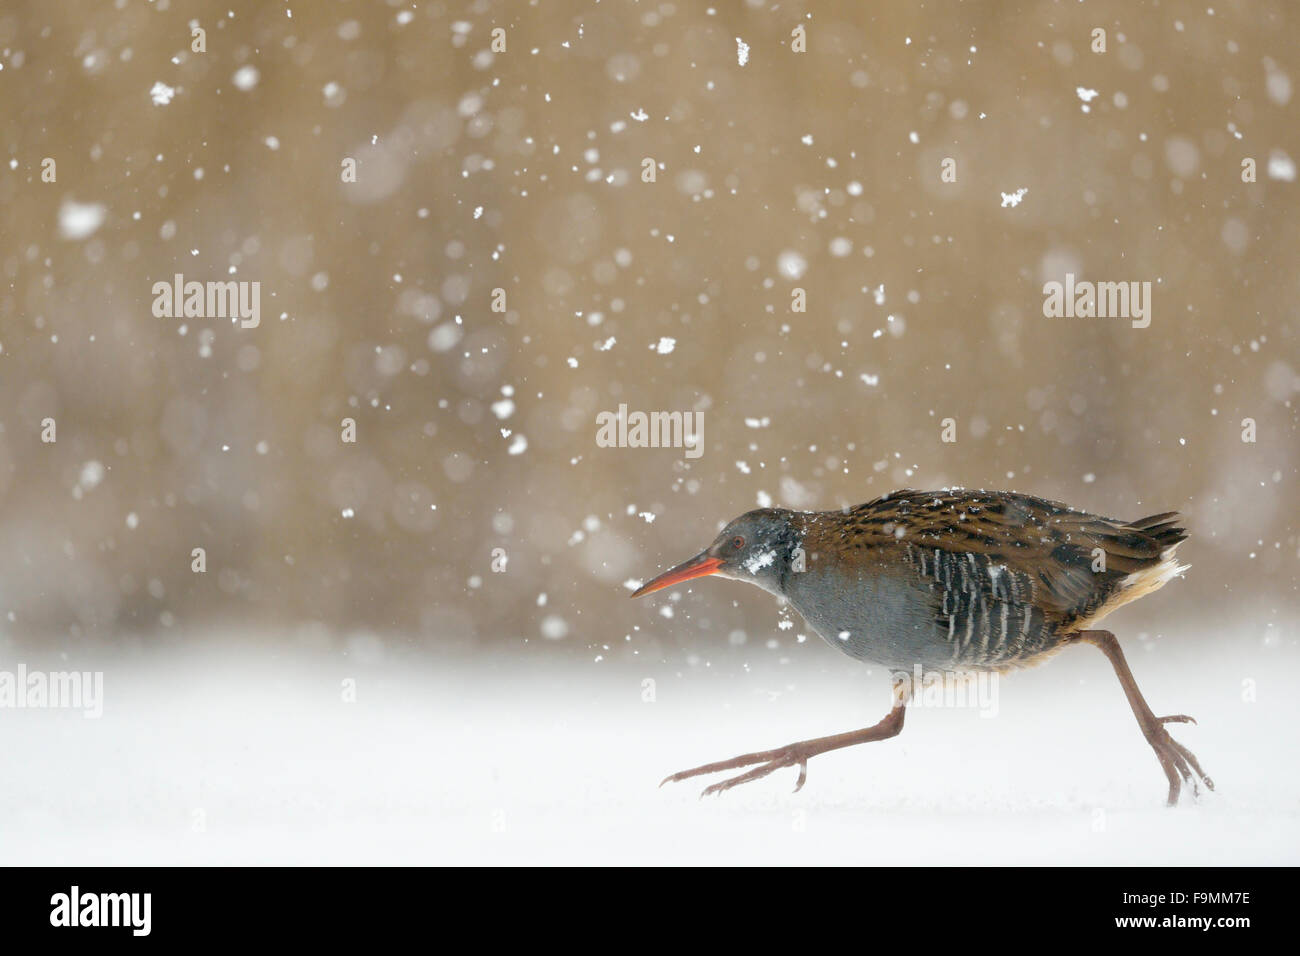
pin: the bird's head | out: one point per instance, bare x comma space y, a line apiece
757, 547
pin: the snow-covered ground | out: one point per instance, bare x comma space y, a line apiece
237, 756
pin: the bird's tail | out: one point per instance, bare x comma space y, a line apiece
1144, 552
1165, 535
1162, 529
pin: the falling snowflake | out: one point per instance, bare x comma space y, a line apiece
79, 220
1013, 199
246, 77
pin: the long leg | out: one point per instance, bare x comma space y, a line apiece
1176, 760
798, 754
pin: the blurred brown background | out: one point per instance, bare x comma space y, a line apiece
521, 170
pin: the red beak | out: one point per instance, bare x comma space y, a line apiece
696, 567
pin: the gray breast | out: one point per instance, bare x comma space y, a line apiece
871, 615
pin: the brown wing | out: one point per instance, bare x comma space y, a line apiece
1009, 570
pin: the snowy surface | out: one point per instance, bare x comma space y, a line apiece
235, 756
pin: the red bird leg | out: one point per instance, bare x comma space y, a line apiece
1176, 760
798, 754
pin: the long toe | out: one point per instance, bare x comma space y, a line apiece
745, 760
757, 773
1179, 765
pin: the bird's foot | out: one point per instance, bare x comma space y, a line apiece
1179, 764
768, 760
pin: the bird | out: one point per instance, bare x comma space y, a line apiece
949, 582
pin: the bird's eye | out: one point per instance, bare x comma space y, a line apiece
737, 542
